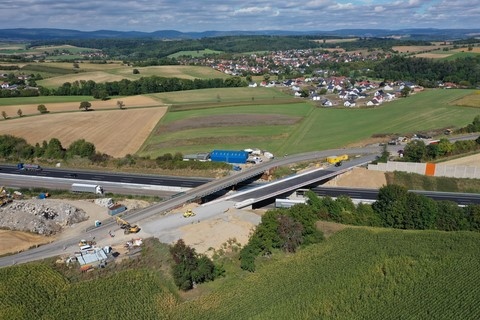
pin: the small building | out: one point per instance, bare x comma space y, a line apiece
202, 156
229, 156
93, 257
116, 209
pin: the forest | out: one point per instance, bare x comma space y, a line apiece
427, 72
136, 50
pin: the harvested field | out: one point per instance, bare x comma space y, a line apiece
472, 100
405, 49
464, 49
336, 40
130, 102
97, 76
230, 120
115, 132
433, 55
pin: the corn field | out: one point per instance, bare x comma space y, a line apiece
358, 273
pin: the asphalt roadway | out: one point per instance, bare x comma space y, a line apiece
160, 209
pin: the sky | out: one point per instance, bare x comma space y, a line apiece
244, 15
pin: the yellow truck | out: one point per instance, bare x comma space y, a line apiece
335, 159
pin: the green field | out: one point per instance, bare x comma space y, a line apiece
194, 53
458, 55
321, 128
358, 273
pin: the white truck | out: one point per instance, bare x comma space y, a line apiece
90, 188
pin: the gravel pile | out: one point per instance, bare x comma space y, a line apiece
40, 216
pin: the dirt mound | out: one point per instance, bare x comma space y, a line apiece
43, 217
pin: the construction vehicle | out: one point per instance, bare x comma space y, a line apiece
4, 197
335, 159
127, 227
188, 213
84, 242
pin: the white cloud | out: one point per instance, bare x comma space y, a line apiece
252, 10
190, 15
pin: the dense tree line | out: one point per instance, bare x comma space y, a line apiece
15, 148
144, 85
145, 49
427, 72
397, 208
284, 229
18, 149
190, 267
418, 151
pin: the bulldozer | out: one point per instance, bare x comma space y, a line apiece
127, 227
188, 213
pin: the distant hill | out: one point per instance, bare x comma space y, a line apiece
24, 34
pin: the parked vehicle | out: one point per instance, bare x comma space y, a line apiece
89, 188
28, 167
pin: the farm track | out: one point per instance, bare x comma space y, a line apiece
297, 135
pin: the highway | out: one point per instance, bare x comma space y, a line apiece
156, 212
372, 194
57, 248
69, 176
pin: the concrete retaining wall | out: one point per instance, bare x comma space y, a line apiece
431, 169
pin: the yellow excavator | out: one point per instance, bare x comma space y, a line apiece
188, 213
127, 227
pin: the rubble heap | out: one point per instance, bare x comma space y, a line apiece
40, 216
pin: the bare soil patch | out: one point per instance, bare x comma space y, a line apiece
130, 102
473, 161
329, 228
116, 132
213, 233
359, 178
16, 241
231, 120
